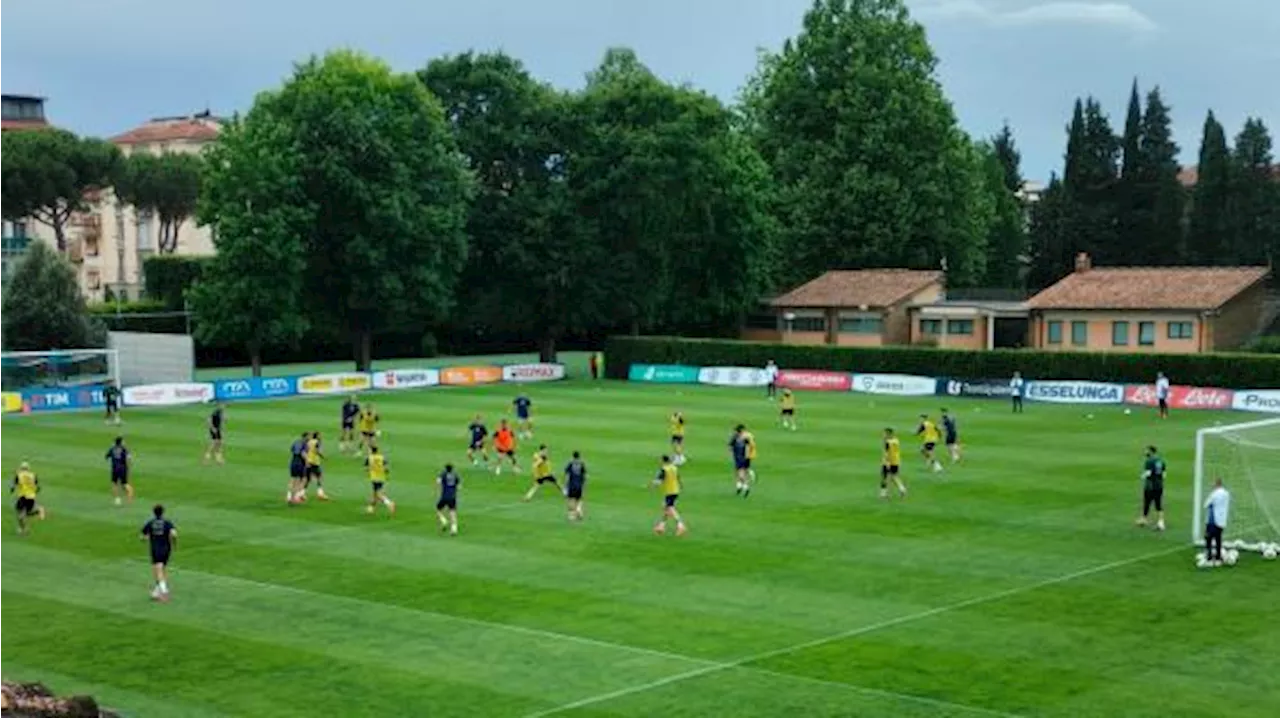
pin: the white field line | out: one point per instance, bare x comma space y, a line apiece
851, 633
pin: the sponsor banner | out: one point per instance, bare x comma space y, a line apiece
168, 394
814, 380
11, 400
1267, 400
1180, 397
255, 387
895, 384
405, 378
1075, 392
986, 388
532, 372
664, 373
470, 375
85, 397
733, 376
334, 383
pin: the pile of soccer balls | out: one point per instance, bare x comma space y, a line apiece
1231, 554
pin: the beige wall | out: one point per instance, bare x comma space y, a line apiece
1100, 327
1237, 320
762, 335
897, 319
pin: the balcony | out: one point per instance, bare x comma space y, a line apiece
75, 251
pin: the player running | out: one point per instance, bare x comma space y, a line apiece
575, 482
216, 421
668, 480
738, 450
891, 466
524, 419
542, 473
379, 471
27, 486
479, 432
163, 536
350, 410
111, 397
504, 444
447, 505
787, 410
368, 423
313, 458
677, 438
928, 433
1153, 471
951, 435
119, 457
297, 470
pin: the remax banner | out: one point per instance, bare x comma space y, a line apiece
255, 387
405, 378
814, 380
1267, 400
523, 373
1180, 397
171, 394
895, 384
984, 388
732, 376
86, 397
663, 373
334, 383
1075, 392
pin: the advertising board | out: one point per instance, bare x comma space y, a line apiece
815, 380
1267, 400
85, 397
663, 373
524, 373
254, 387
732, 376
982, 388
470, 375
1181, 397
405, 378
895, 384
334, 383
1075, 392
168, 394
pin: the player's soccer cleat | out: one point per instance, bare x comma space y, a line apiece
680, 530
118, 501
1160, 525
453, 530
1142, 521
660, 528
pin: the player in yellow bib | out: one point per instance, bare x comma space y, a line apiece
677, 438
787, 405
542, 472
312, 459
891, 465
26, 486
379, 471
668, 481
368, 422
929, 436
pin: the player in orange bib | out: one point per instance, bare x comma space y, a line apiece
504, 443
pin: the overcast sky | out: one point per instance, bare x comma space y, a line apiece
107, 65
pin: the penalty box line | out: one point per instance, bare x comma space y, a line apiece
854, 632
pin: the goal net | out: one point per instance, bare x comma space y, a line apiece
57, 369
1247, 458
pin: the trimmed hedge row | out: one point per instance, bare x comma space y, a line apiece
1238, 371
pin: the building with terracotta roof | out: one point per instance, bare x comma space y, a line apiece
1149, 309
863, 307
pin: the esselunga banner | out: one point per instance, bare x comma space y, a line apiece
405, 378
895, 384
1075, 392
523, 373
663, 373
11, 401
255, 387
170, 394
1265, 400
732, 376
334, 383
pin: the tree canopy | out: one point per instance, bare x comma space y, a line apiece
43, 307
47, 172
166, 186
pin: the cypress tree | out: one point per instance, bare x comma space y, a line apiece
1209, 239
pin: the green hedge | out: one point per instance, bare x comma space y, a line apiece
168, 278
1242, 371
147, 315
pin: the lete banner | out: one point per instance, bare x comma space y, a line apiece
86, 397
1075, 392
1267, 400
814, 380
1181, 397
405, 378
663, 373
255, 387
168, 394
524, 373
986, 388
334, 383
470, 375
732, 376
895, 384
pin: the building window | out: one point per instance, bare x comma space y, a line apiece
1055, 332
861, 325
1146, 333
959, 326
1180, 330
93, 279
930, 326
809, 324
762, 321
1119, 334
1079, 334
144, 231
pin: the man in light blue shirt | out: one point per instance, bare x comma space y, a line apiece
1216, 509
1015, 391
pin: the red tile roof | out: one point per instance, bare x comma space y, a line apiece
859, 287
191, 129
1190, 288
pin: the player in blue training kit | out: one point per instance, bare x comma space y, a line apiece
524, 421
479, 433
447, 505
297, 469
118, 455
575, 482
739, 446
162, 536
350, 410
951, 435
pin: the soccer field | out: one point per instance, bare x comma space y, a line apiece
1012, 584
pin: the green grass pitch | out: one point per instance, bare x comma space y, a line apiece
1012, 584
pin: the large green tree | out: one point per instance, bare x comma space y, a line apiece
1255, 201
1160, 241
251, 292
1090, 177
871, 168
387, 190
1006, 242
47, 173
43, 307
1053, 235
1210, 238
165, 186
1006, 150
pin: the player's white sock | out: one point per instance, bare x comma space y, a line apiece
1160, 525
163, 586
453, 528
118, 501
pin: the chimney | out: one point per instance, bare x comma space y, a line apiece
1083, 262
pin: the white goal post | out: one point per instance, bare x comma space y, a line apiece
58, 368
1246, 457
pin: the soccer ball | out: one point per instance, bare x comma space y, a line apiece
1128, 412
1269, 552
1202, 561
1230, 557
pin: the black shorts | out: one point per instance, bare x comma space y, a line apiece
368, 434
670, 500
112, 408
545, 480
574, 491
887, 470
25, 506
312, 471
930, 445
348, 425
160, 557
119, 477
952, 440
742, 464
447, 502
1152, 498
377, 485
297, 469
788, 412
677, 439
477, 445
522, 418
1164, 404
215, 434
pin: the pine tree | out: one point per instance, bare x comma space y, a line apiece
1255, 202
1090, 179
1160, 242
1010, 159
1209, 240
1132, 211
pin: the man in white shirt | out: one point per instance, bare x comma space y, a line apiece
771, 376
1216, 509
1015, 391
1162, 394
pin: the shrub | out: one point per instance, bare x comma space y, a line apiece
168, 278
1265, 345
1253, 371
145, 315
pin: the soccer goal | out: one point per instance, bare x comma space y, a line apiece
63, 368
1247, 458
